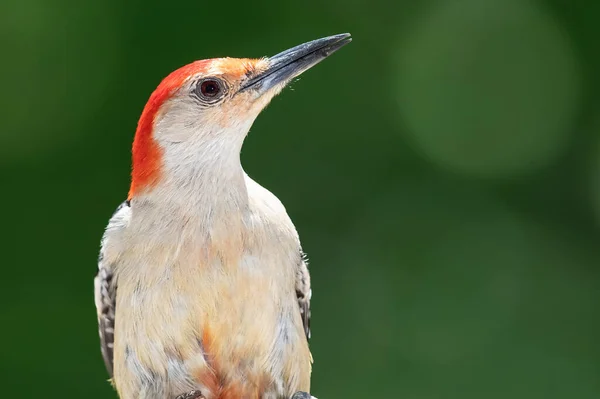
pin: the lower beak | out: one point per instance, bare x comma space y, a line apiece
288, 64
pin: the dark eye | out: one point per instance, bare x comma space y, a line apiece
210, 88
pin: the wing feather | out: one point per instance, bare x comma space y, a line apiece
304, 292
105, 288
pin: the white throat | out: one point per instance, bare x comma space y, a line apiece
202, 176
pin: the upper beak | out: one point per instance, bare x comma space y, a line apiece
290, 63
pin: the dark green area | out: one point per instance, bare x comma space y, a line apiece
443, 171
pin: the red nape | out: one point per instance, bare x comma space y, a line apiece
146, 153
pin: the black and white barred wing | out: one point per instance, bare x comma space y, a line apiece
105, 285
105, 296
304, 292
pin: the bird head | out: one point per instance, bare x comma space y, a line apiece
199, 115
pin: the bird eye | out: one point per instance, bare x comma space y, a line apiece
209, 90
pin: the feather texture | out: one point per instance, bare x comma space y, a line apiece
105, 289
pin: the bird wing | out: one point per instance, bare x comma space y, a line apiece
304, 292
105, 286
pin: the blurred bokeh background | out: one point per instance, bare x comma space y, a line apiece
443, 171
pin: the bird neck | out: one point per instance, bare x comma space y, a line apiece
199, 182
201, 179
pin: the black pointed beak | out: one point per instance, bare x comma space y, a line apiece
290, 63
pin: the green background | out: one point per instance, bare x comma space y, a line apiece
443, 171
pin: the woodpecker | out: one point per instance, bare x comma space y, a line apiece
203, 289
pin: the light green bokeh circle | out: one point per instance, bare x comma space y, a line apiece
487, 88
